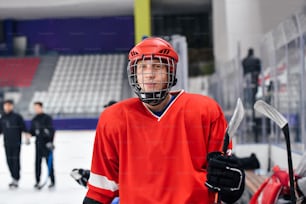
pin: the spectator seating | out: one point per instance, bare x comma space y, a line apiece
17, 72
83, 84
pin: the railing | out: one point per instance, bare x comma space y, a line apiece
281, 83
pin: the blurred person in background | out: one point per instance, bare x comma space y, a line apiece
42, 128
251, 70
11, 126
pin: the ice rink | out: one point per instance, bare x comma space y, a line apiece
73, 149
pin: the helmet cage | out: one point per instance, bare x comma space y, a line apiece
154, 97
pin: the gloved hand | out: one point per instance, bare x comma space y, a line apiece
225, 176
50, 146
81, 176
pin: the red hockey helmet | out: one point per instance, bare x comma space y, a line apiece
153, 48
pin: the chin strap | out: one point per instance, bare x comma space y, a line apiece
153, 98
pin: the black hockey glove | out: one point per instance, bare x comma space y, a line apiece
225, 176
81, 176
50, 146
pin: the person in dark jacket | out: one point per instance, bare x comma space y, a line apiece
11, 126
252, 65
42, 128
251, 70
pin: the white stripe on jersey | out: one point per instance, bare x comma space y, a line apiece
102, 182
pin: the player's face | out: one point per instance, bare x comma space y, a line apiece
152, 75
37, 109
7, 107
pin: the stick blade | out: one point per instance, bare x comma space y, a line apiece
270, 112
236, 118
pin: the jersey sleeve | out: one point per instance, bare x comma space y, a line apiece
22, 124
49, 126
103, 180
0, 124
217, 131
32, 128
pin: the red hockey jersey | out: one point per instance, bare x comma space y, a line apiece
149, 159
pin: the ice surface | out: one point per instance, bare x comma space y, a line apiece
73, 149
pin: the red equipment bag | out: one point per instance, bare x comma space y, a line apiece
272, 188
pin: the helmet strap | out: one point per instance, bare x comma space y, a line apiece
153, 98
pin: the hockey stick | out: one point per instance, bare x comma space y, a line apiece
281, 121
233, 124
50, 158
230, 131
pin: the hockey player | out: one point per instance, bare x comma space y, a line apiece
12, 125
42, 128
154, 148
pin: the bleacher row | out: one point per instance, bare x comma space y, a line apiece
83, 84
17, 71
80, 84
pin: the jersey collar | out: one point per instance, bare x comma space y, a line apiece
177, 93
